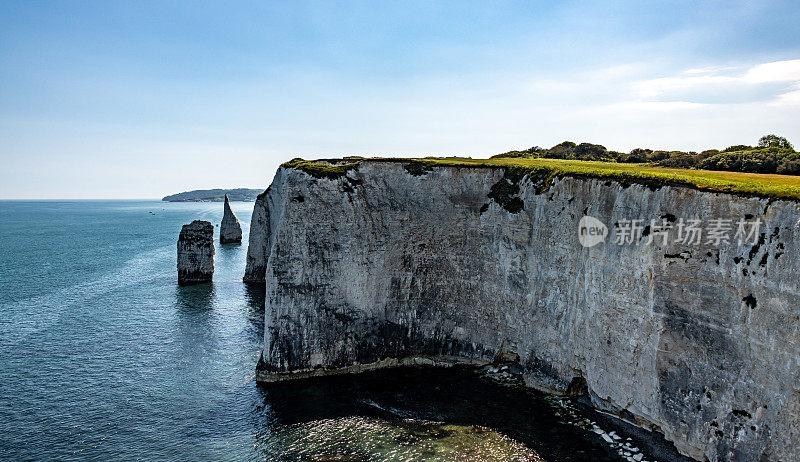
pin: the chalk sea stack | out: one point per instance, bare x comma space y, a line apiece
230, 231
196, 253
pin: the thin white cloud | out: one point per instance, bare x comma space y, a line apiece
790, 98
708, 70
761, 80
778, 71
636, 109
655, 106
656, 87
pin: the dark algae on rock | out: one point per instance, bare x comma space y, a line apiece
417, 168
505, 191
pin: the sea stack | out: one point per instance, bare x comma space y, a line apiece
196, 253
229, 231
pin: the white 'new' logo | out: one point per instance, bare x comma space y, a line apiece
591, 231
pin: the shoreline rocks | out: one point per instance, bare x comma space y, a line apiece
196, 253
230, 231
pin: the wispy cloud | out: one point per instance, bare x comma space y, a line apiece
790, 98
633, 107
778, 71
773, 82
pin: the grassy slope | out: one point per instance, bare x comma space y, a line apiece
751, 184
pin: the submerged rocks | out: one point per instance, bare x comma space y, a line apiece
229, 231
196, 253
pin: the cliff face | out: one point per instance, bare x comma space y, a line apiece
196, 253
394, 261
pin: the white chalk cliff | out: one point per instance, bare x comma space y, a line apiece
391, 261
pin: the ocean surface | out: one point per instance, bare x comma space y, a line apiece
104, 357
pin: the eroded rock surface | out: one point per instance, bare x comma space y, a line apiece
196, 253
230, 231
385, 265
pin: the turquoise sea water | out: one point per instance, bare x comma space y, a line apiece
104, 357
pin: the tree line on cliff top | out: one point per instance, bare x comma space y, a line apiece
772, 154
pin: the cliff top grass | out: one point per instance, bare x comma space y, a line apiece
772, 186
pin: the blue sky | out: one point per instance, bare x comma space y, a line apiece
141, 99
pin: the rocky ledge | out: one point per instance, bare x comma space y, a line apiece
196, 253
381, 263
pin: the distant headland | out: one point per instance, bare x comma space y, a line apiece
215, 195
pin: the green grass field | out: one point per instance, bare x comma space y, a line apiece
754, 184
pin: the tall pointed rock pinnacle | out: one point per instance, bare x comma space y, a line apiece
229, 231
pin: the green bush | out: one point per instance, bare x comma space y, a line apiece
565, 150
535, 151
774, 141
790, 167
756, 161
511, 155
738, 147
636, 156
589, 151
684, 160
655, 156
773, 155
